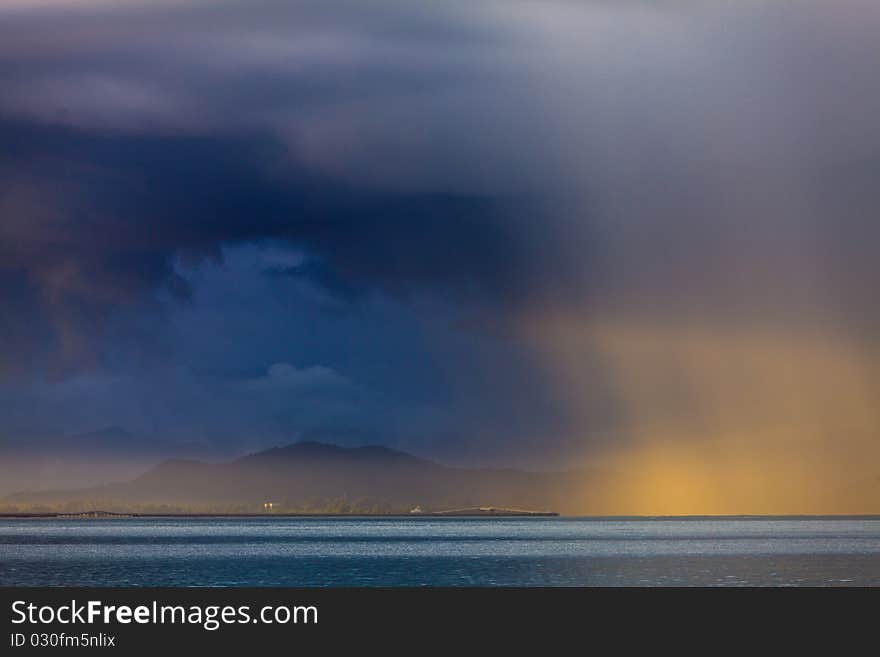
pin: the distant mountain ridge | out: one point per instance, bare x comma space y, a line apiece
53, 460
320, 476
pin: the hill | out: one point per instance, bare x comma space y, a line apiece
46, 461
311, 476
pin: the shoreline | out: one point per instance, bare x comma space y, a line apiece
105, 515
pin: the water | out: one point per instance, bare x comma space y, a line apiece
440, 552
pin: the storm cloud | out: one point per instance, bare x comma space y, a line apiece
490, 220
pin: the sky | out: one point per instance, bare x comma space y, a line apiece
638, 236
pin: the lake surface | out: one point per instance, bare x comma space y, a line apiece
441, 552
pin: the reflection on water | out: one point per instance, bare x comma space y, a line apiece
440, 552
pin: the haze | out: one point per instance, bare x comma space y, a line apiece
638, 238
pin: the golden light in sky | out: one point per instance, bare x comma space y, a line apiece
717, 420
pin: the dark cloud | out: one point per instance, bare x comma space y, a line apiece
144, 137
446, 180
95, 223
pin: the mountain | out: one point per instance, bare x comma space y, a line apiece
56, 460
320, 477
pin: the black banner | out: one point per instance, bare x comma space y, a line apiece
128, 621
